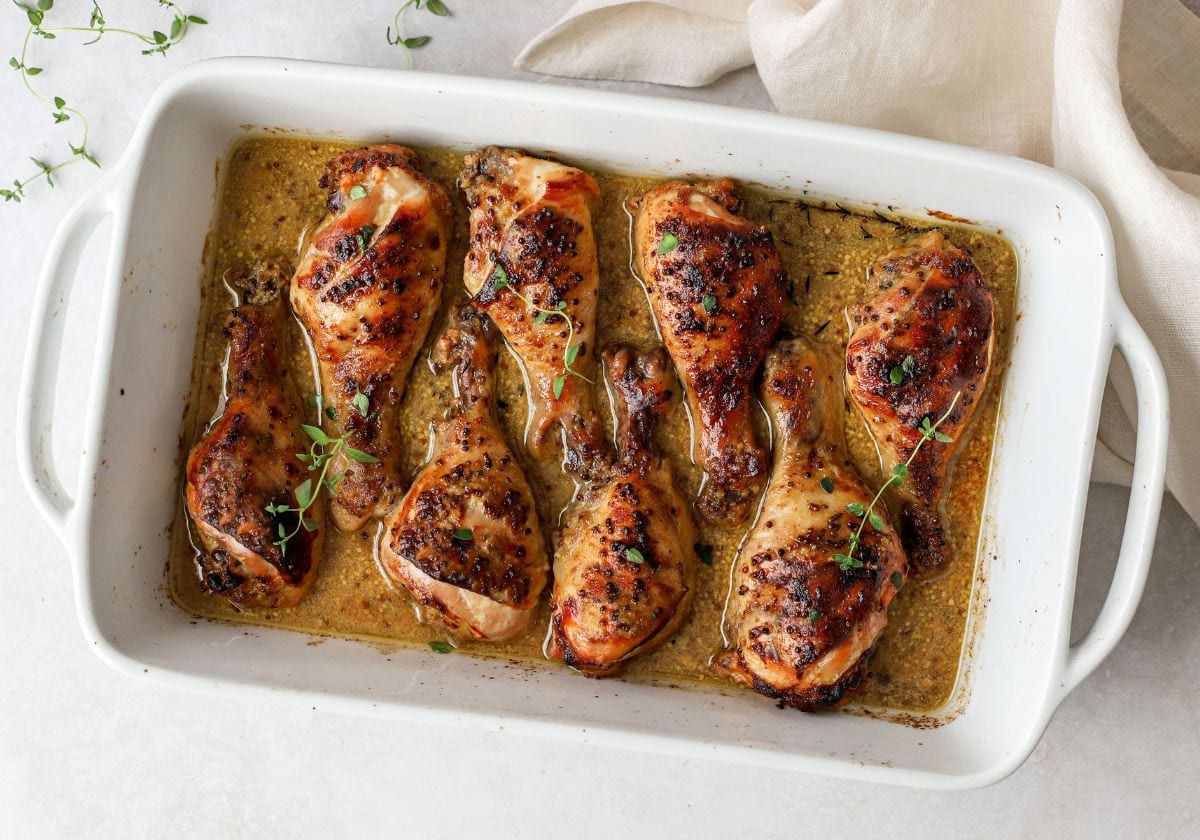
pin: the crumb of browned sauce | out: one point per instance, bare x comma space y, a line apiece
941, 214
269, 197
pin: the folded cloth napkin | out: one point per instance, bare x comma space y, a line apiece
1110, 96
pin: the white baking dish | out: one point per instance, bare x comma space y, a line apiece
160, 196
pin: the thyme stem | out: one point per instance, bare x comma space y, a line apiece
500, 281
899, 473
157, 43
306, 494
436, 7
282, 542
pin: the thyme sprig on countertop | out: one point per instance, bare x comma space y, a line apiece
321, 452
435, 7
929, 431
500, 281
156, 43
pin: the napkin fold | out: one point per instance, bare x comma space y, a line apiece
1109, 95
688, 43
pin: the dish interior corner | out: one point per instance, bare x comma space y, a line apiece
270, 195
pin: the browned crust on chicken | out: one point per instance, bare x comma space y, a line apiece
926, 300
531, 218
366, 291
246, 460
718, 295
468, 523
800, 628
428, 542
609, 604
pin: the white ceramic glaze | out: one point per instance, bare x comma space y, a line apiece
160, 196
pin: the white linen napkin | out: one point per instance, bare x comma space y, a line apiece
1112, 99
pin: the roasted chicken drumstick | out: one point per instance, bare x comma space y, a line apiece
920, 349
717, 288
366, 291
246, 461
465, 540
624, 566
531, 265
806, 607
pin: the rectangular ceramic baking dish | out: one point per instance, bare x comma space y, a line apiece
160, 195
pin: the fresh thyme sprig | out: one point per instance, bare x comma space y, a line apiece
157, 43
500, 281
929, 431
321, 452
436, 7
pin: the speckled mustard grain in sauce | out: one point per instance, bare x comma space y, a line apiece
270, 196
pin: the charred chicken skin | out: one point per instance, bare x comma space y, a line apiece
800, 625
246, 461
465, 540
717, 288
532, 253
624, 566
921, 348
366, 290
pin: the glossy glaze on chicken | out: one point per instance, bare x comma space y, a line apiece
920, 349
718, 291
531, 253
800, 625
625, 563
366, 290
246, 459
465, 540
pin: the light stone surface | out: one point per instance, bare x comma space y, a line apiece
86, 752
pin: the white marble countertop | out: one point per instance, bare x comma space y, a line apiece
87, 752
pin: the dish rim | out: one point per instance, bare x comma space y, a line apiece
112, 195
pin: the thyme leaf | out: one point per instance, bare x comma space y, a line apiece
902, 371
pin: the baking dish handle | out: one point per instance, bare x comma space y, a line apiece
35, 404
1145, 501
